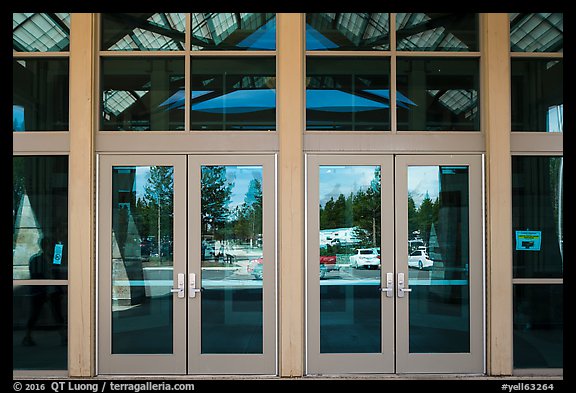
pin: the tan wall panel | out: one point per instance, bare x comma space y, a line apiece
81, 320
290, 71
497, 122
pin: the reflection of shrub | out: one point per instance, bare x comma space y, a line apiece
338, 249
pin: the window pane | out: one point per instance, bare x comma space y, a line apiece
438, 94
40, 327
537, 213
538, 326
233, 31
437, 32
347, 31
233, 93
40, 217
537, 95
41, 32
351, 94
349, 271
232, 259
143, 31
142, 94
40, 94
439, 258
142, 259
537, 32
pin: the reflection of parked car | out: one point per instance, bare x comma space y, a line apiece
366, 257
255, 267
327, 264
419, 259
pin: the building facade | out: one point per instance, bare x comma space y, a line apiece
287, 194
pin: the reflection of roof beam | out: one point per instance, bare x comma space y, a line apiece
446, 21
54, 18
128, 22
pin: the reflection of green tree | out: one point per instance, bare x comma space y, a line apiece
361, 210
215, 197
248, 223
155, 209
421, 218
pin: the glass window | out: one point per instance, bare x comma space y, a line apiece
537, 95
40, 217
233, 93
437, 32
233, 31
347, 31
142, 259
347, 93
40, 94
41, 32
143, 31
231, 236
142, 94
537, 32
40, 327
538, 326
350, 238
537, 200
438, 94
438, 233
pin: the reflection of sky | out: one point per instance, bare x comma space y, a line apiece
422, 180
241, 177
336, 180
18, 118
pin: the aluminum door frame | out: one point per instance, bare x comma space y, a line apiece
455, 363
333, 363
109, 363
265, 363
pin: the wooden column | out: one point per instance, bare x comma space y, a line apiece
81, 271
290, 87
496, 118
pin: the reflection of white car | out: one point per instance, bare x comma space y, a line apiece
366, 257
419, 259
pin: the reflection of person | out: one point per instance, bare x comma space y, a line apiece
40, 266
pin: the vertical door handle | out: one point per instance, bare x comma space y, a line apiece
181, 286
389, 288
192, 290
401, 285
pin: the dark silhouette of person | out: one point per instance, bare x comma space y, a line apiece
42, 267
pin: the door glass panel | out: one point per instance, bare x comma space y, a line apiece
232, 259
142, 259
349, 265
438, 248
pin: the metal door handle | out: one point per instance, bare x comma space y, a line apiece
181, 286
192, 290
401, 284
389, 289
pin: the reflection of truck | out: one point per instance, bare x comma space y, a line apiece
338, 236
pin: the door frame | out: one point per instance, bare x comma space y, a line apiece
394, 228
465, 363
265, 363
186, 358
109, 363
333, 363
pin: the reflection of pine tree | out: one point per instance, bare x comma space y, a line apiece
248, 224
156, 208
215, 197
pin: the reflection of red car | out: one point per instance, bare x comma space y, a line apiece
327, 264
255, 267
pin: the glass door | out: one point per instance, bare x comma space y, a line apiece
142, 264
394, 264
232, 273
350, 264
439, 259
186, 265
